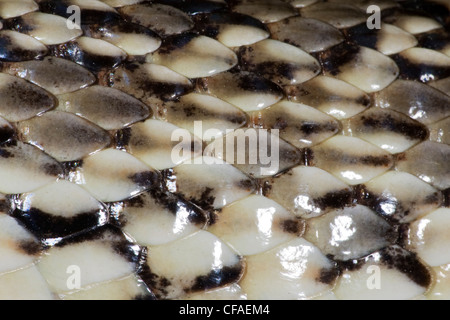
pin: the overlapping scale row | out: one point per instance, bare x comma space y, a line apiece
224, 149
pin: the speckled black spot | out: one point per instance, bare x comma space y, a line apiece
435, 40
132, 66
434, 198
411, 130
247, 184
31, 248
122, 26
334, 200
349, 265
176, 42
193, 7
157, 284
34, 95
328, 275
310, 128
93, 62
411, 70
164, 90
176, 204
334, 58
216, 278
293, 226
113, 237
135, 202
379, 203
205, 200
403, 234
53, 169
407, 263
146, 179
363, 36
266, 188
252, 82
133, 253
44, 225
18, 24
369, 160
190, 111
6, 154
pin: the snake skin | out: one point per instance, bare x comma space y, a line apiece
93, 204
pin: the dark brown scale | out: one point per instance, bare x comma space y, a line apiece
93, 62
363, 36
44, 97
